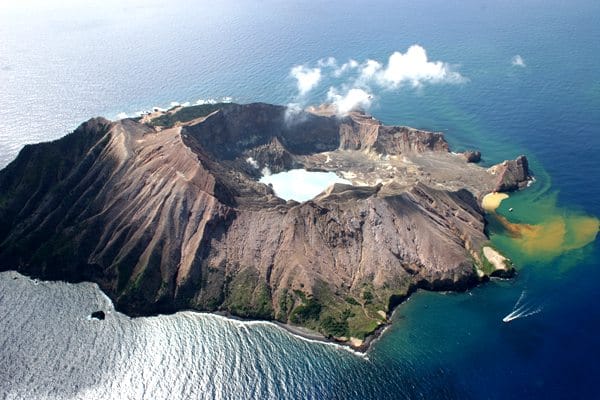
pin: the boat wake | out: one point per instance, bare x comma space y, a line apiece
522, 309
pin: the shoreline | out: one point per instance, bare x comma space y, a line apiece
300, 332
307, 333
297, 331
314, 336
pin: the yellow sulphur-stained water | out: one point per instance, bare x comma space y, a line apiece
491, 201
539, 230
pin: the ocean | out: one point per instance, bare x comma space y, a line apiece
513, 77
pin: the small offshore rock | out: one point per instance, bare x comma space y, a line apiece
99, 315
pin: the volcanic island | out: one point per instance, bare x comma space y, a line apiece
165, 212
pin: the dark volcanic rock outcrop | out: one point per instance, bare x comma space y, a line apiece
473, 156
169, 217
511, 174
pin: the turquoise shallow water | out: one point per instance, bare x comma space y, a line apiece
60, 65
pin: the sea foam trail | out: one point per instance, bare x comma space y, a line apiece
521, 313
522, 309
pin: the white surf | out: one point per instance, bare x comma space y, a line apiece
522, 309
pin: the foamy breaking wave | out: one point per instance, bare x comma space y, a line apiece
517, 61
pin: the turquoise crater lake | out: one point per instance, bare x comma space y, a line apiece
301, 185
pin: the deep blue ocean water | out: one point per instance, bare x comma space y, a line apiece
62, 64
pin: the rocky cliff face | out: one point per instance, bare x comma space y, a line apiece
511, 175
166, 213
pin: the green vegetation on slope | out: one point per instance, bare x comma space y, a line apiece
326, 312
185, 114
249, 296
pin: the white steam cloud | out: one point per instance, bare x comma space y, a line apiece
252, 162
517, 61
353, 99
307, 78
413, 67
362, 79
345, 67
179, 104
